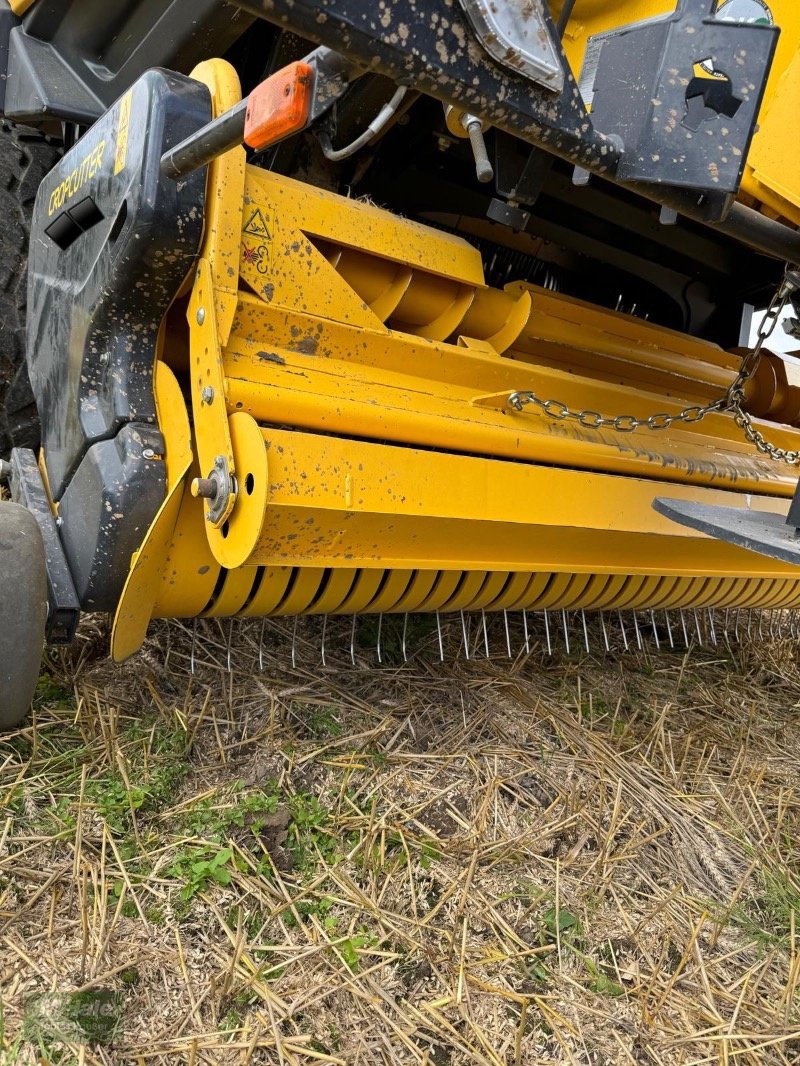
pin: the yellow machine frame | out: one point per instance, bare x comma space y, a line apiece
352, 370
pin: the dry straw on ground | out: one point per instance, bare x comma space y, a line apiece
550, 860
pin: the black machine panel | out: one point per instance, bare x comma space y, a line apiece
111, 243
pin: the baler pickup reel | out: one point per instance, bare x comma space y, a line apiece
259, 398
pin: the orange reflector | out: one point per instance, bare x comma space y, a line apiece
279, 106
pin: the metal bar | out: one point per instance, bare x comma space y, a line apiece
205, 144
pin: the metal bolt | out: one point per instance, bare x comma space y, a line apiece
148, 453
204, 488
105, 359
483, 167
201, 315
207, 395
59, 521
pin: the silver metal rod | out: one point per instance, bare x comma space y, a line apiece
669, 629
623, 631
508, 634
585, 633
655, 629
710, 612
485, 632
605, 631
194, 641
324, 632
353, 640
566, 629
465, 635
294, 644
405, 631
378, 643
261, 646
441, 642
683, 623
637, 631
547, 633
525, 631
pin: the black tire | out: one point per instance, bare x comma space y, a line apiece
24, 611
25, 157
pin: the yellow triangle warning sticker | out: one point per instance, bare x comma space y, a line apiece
256, 224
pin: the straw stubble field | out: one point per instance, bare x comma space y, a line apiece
576, 859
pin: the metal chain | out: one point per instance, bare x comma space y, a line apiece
732, 401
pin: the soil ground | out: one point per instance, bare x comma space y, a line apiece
209, 856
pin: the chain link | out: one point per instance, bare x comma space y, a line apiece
732, 402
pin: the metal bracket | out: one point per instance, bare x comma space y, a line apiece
27, 488
763, 532
214, 447
683, 93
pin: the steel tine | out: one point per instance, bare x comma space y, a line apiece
697, 627
749, 620
508, 634
605, 631
405, 631
353, 640
585, 632
525, 631
736, 636
710, 613
547, 633
485, 632
638, 631
230, 641
655, 629
686, 640
441, 642
324, 634
566, 629
294, 643
261, 646
772, 625
378, 641
761, 624
464, 632
623, 631
669, 629
194, 641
